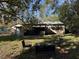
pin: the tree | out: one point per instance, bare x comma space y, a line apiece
69, 15
20, 8
12, 8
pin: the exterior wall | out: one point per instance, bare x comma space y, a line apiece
39, 30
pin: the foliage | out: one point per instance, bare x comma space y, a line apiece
69, 14
11, 9
20, 9
52, 18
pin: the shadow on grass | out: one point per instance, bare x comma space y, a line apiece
31, 54
45, 37
71, 47
14, 37
9, 38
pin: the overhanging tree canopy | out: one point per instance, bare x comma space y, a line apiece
17, 8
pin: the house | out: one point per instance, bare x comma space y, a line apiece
42, 28
46, 28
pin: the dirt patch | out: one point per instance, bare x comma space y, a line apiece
9, 49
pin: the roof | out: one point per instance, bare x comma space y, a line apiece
18, 25
56, 22
52, 22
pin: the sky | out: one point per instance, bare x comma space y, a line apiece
48, 10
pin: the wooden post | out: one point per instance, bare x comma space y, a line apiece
23, 43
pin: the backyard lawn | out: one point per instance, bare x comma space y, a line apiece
11, 48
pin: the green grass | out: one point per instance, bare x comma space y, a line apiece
10, 46
9, 38
72, 38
